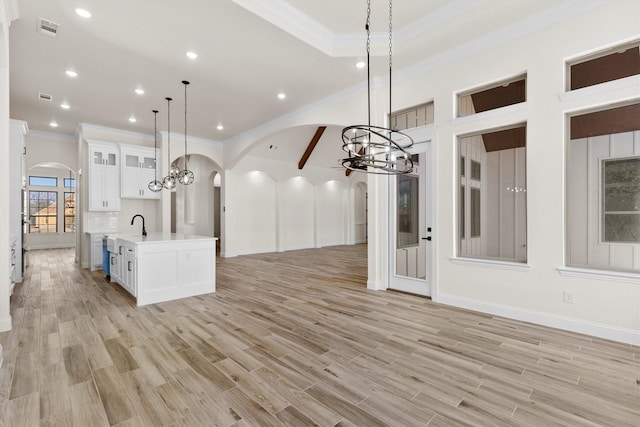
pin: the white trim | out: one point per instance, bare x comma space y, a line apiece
5, 324
490, 263
628, 336
630, 85
84, 127
482, 117
21, 125
587, 273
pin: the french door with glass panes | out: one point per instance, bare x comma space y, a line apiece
410, 205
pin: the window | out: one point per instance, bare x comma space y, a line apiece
408, 202
496, 95
69, 212
43, 211
613, 64
43, 181
492, 204
603, 189
69, 182
621, 200
413, 117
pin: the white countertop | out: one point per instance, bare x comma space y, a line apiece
161, 237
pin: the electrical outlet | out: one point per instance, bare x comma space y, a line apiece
567, 297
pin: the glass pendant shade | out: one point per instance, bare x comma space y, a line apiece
169, 182
185, 177
174, 170
155, 186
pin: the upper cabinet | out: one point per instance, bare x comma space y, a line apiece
104, 177
137, 170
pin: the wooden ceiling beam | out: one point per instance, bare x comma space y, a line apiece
311, 146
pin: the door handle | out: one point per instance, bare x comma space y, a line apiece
427, 238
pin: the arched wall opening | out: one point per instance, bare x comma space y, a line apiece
49, 206
195, 207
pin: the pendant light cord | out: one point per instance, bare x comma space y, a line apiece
169, 134
390, 52
185, 124
155, 144
368, 28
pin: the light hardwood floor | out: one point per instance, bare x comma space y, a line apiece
294, 339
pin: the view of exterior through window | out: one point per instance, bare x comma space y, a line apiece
45, 193
43, 211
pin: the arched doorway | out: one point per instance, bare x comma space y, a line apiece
49, 207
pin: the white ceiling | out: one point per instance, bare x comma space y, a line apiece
249, 50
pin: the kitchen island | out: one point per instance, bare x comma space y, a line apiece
162, 267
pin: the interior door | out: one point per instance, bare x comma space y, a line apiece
410, 225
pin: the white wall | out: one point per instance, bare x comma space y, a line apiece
584, 203
18, 130
271, 205
8, 12
254, 208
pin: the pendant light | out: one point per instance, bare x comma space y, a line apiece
375, 149
155, 185
169, 181
185, 176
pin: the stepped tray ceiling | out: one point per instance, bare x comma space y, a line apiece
248, 52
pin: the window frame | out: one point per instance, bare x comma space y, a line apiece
41, 184
32, 216
602, 212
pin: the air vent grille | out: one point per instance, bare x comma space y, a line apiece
47, 27
45, 96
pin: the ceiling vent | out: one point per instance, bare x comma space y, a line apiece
47, 27
45, 96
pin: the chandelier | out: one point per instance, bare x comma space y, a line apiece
376, 149
175, 175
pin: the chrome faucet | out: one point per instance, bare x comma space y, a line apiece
144, 231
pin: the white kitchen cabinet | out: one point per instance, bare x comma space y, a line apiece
129, 276
104, 177
114, 267
163, 267
95, 250
138, 168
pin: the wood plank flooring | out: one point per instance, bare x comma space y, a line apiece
294, 339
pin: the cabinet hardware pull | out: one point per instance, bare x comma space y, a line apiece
129, 265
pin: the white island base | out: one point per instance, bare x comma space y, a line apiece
163, 267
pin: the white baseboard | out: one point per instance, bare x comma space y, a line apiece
52, 246
253, 252
628, 336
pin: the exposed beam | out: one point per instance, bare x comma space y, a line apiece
311, 146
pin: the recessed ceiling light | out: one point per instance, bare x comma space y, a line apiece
132, 119
139, 91
71, 73
192, 55
83, 12
64, 106
282, 95
361, 64
220, 127
53, 124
